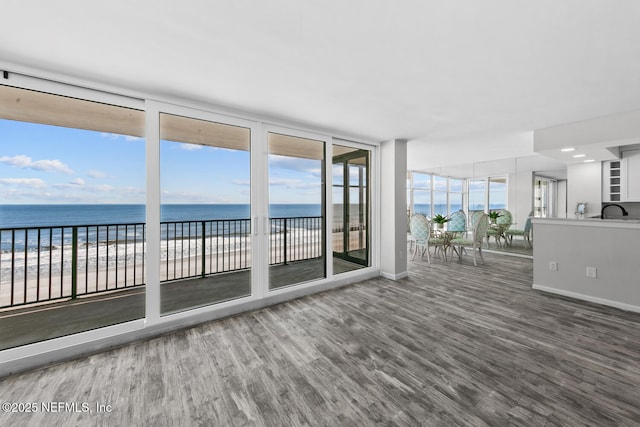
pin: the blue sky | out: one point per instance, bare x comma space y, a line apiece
50, 164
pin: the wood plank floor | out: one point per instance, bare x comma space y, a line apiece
28, 324
450, 345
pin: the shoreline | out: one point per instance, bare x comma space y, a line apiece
102, 275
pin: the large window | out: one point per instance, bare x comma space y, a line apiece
430, 195
456, 195
440, 188
113, 216
72, 233
421, 194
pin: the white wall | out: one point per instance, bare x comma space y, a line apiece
424, 156
608, 129
575, 245
584, 184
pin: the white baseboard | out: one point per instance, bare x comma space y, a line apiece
396, 276
602, 301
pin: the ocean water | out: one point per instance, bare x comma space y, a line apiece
60, 218
18, 216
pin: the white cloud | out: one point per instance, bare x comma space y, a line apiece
96, 174
295, 184
294, 164
26, 162
115, 136
26, 182
78, 184
102, 188
190, 147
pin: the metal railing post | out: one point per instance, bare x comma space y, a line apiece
284, 242
13, 262
204, 258
74, 263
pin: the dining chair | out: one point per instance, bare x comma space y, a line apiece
410, 239
503, 222
476, 241
420, 228
525, 233
457, 222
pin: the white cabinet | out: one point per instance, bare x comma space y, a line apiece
630, 182
611, 177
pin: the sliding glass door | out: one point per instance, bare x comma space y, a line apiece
350, 208
296, 209
205, 229
72, 232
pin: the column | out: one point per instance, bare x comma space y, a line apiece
393, 211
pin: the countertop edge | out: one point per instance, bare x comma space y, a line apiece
589, 222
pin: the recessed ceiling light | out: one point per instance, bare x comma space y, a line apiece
567, 149
579, 155
589, 161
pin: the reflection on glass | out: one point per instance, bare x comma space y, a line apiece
497, 193
543, 197
205, 227
350, 210
477, 194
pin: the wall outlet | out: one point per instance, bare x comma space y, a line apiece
553, 266
592, 272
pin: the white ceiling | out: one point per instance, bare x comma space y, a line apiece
424, 70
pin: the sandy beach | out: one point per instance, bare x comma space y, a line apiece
112, 267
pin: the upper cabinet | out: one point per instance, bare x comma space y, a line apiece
611, 177
621, 178
630, 182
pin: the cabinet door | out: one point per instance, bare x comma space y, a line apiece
631, 175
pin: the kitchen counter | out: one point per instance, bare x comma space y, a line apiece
589, 222
591, 259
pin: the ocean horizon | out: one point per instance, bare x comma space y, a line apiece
46, 215
49, 215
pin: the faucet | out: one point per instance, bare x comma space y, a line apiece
624, 211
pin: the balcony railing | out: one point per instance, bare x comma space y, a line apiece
40, 264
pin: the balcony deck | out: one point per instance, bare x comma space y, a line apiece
453, 344
36, 323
